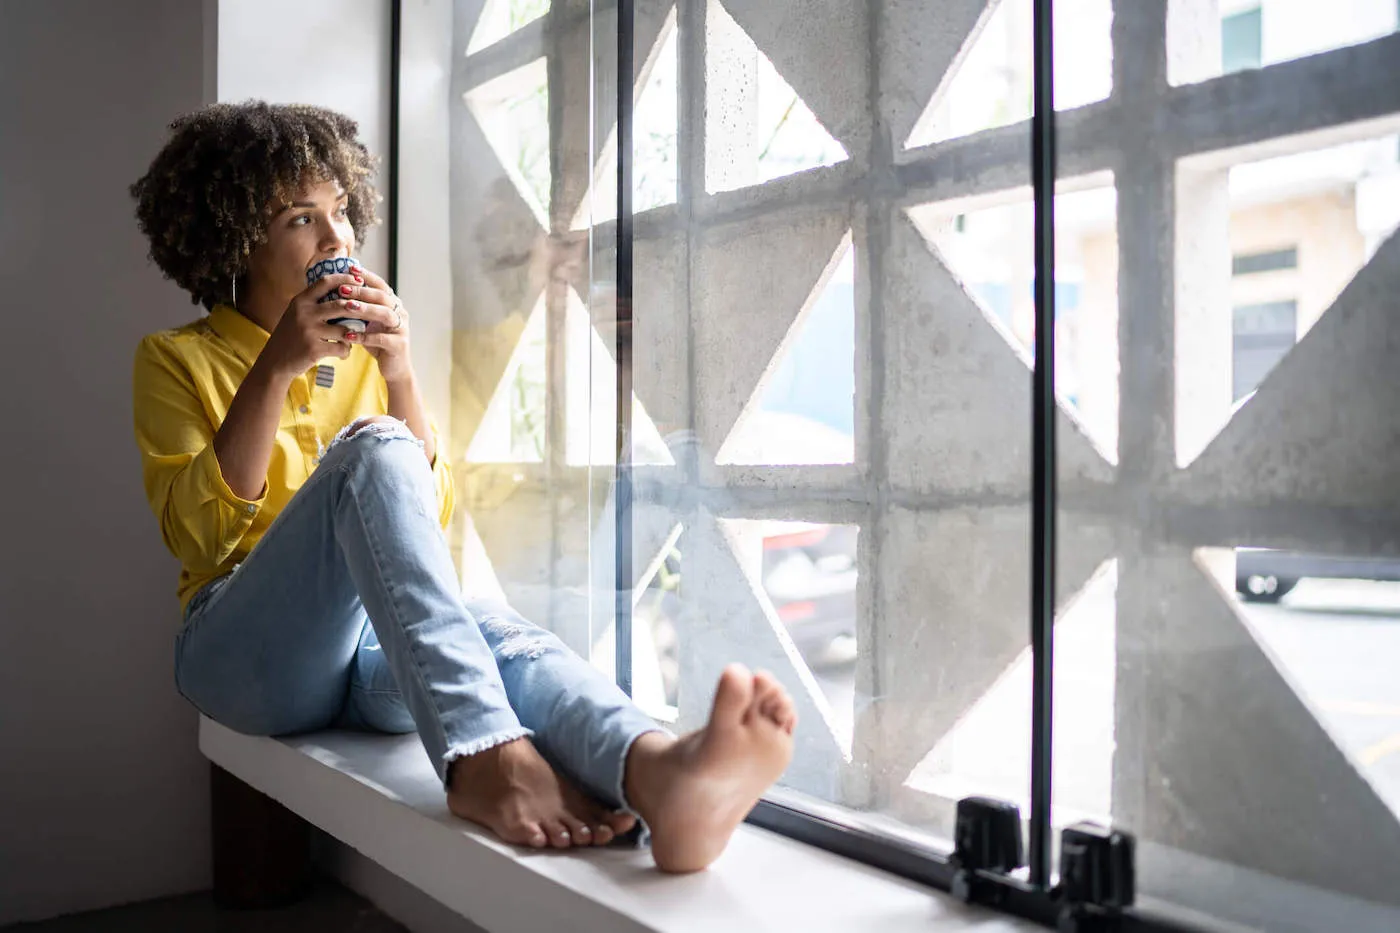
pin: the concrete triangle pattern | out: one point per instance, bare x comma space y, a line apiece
1322, 427
659, 334
497, 19
943, 569
956, 386
921, 43
751, 284
726, 618
495, 440
513, 113
1217, 753
804, 39
580, 168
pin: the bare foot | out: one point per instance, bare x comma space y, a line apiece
693, 792
512, 791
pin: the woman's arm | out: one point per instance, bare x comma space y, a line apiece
244, 442
406, 404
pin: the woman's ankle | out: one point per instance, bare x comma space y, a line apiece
645, 768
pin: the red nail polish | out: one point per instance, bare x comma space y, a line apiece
346, 290
352, 305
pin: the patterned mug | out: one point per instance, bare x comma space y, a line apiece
338, 266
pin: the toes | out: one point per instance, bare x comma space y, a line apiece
526, 834
765, 683
785, 714
734, 693
601, 833
770, 699
579, 832
558, 835
621, 823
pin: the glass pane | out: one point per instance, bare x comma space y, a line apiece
1246, 646
532, 405
991, 84
501, 18
840, 494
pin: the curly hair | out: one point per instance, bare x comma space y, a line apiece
205, 202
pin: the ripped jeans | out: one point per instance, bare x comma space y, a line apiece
348, 614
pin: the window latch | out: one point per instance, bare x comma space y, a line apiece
986, 838
1096, 878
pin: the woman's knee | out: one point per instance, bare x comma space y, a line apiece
380, 441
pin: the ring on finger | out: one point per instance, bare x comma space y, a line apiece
398, 314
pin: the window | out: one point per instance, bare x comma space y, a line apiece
831, 338
1242, 40
1271, 261
1264, 333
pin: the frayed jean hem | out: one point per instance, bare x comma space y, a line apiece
641, 837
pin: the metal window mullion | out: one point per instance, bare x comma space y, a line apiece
1043, 465
626, 31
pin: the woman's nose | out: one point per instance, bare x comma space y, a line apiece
334, 239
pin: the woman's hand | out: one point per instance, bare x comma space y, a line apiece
302, 336
387, 335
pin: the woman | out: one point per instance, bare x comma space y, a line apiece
316, 584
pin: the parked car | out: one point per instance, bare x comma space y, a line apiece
1265, 575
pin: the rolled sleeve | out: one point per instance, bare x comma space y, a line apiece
201, 519
442, 478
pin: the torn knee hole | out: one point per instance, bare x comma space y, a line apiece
517, 640
378, 426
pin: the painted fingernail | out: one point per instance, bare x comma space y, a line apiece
359, 279
346, 290
352, 305
351, 336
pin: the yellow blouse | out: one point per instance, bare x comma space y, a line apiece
184, 382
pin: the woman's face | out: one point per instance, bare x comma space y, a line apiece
311, 228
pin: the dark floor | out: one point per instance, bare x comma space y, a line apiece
329, 907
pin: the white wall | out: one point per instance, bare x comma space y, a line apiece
103, 795
331, 53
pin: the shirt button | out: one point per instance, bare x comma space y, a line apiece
252, 508
305, 410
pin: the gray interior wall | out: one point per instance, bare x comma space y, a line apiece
103, 795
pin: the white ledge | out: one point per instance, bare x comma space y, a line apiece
379, 795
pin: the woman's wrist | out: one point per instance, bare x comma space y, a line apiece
267, 373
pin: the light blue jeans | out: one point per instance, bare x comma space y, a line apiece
348, 614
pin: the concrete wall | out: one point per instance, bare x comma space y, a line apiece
1215, 761
102, 793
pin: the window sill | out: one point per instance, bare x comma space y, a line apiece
379, 795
